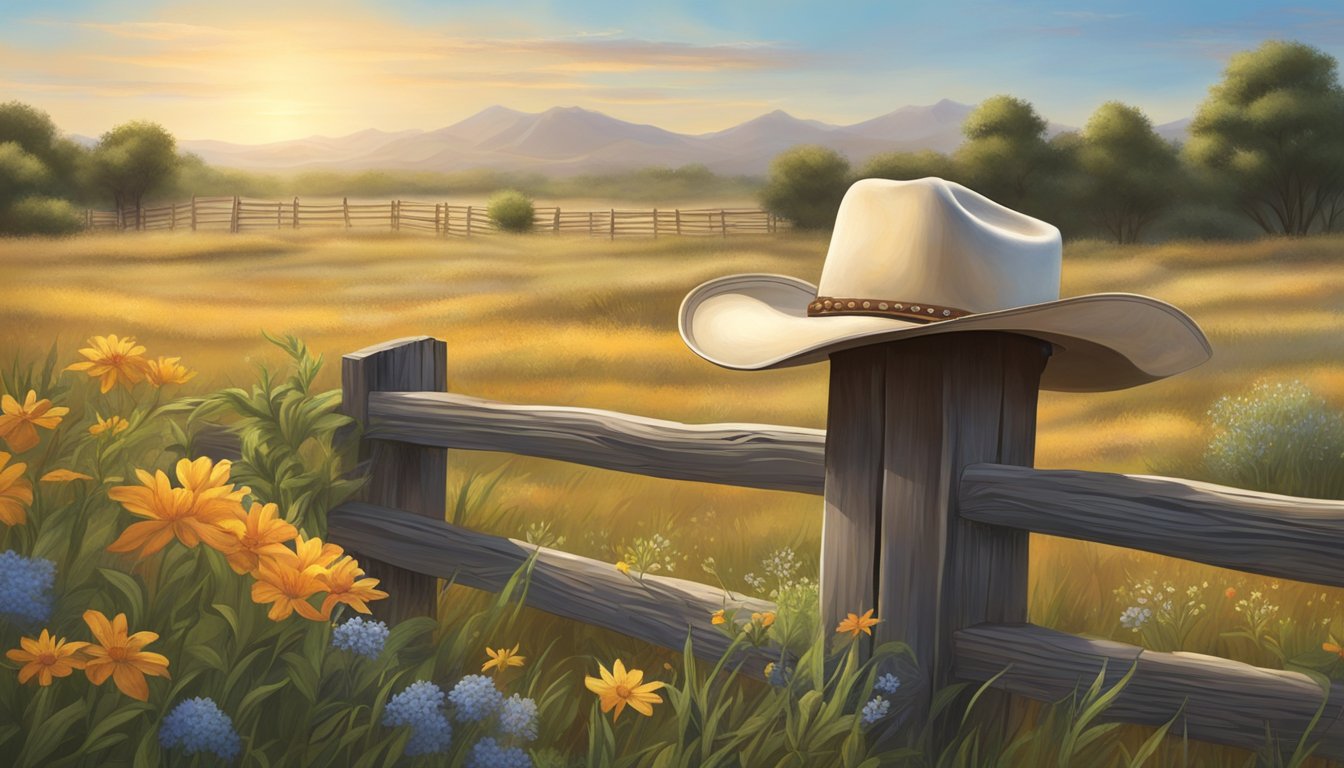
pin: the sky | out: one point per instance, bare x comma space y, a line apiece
251, 71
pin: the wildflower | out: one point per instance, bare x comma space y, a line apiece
64, 476
875, 710
167, 370
365, 638
778, 674
343, 585
18, 423
1230, 593
1135, 617
25, 587
310, 555
15, 491
259, 533
120, 657
46, 657
717, 617
198, 725
208, 482
172, 512
110, 358
487, 753
623, 567
887, 684
475, 698
287, 589
420, 707
518, 718
764, 619
854, 623
502, 658
618, 688
1333, 648
111, 426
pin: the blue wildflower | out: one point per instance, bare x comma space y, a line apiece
25, 587
887, 684
420, 706
358, 636
198, 725
476, 698
875, 710
518, 718
489, 754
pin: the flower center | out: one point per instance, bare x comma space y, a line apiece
46, 659
623, 691
117, 653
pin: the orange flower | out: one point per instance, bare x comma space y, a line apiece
343, 585
287, 589
503, 658
764, 619
120, 657
1230, 592
64, 476
15, 491
172, 512
717, 617
1331, 647
18, 423
167, 370
311, 556
260, 533
215, 497
854, 623
618, 688
110, 358
112, 425
46, 657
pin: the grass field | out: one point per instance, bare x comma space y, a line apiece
574, 321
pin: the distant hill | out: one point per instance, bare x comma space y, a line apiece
571, 140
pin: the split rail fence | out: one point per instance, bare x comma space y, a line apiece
234, 214
946, 549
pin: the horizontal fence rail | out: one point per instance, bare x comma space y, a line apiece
236, 214
1280, 536
750, 455
1219, 700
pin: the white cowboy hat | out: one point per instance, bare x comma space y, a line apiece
926, 257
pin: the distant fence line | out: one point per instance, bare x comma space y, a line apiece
235, 214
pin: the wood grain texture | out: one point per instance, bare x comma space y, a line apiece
402, 476
1225, 701
1264, 533
660, 610
750, 455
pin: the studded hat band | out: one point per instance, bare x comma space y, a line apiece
923, 313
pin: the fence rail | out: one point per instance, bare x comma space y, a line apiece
394, 390
236, 214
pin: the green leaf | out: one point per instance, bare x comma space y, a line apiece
131, 590
101, 735
53, 731
259, 694
303, 674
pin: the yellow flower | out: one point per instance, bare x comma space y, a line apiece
110, 358
764, 619
309, 555
18, 423
214, 497
111, 426
717, 617
64, 476
46, 657
343, 585
260, 533
287, 589
504, 657
1333, 648
623, 566
120, 657
167, 370
15, 491
172, 512
618, 688
854, 623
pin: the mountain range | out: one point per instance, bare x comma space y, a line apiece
569, 140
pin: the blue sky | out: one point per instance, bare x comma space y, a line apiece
257, 71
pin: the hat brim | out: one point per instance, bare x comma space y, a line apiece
1102, 342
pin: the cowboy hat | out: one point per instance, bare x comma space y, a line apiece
930, 257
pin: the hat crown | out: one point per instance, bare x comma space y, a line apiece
936, 242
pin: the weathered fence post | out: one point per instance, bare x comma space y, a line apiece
468, 221
723, 222
401, 475
233, 217
655, 223
396, 215
904, 419
296, 213
678, 221
613, 224
193, 213
447, 220
590, 223
555, 222
345, 210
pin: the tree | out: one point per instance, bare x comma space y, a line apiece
1128, 172
511, 211
1006, 156
904, 166
1272, 131
132, 159
805, 186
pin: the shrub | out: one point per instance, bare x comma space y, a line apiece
806, 185
41, 216
1280, 438
511, 211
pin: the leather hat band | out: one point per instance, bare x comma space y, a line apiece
917, 311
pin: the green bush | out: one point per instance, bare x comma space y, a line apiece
1280, 438
41, 216
511, 211
806, 185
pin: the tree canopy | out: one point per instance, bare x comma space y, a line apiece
133, 159
805, 186
1006, 156
1129, 174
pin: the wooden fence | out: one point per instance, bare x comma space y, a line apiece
928, 505
234, 214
